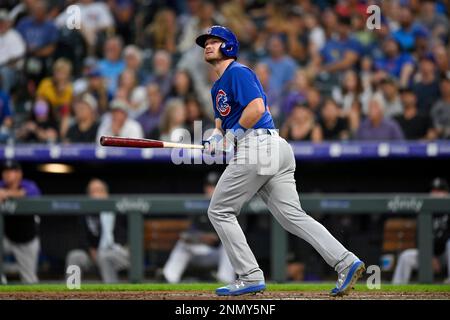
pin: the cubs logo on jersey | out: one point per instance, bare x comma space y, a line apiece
222, 103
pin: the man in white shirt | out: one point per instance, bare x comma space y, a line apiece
117, 123
12, 50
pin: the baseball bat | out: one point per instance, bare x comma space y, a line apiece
109, 141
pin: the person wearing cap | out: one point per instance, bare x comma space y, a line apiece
41, 125
80, 84
21, 232
117, 123
12, 50
84, 130
96, 86
408, 260
199, 246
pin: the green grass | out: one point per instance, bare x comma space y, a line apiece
213, 286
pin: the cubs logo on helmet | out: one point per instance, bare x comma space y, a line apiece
222, 103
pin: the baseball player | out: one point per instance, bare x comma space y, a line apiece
243, 124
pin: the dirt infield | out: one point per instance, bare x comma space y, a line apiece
204, 295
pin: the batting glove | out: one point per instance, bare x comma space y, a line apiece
212, 143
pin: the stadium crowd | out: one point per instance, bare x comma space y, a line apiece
133, 69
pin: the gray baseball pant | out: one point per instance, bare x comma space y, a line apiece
27, 256
265, 165
109, 261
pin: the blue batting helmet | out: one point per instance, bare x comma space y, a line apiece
229, 47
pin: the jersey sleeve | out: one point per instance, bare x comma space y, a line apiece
32, 190
213, 98
244, 86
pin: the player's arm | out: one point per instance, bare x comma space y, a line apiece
252, 113
218, 128
216, 136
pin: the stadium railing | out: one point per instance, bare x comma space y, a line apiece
334, 151
136, 207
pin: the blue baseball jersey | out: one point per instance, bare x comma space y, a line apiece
233, 91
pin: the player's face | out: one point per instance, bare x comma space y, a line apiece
212, 50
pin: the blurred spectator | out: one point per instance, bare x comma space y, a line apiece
394, 63
408, 29
351, 91
58, 91
442, 59
426, 85
282, 67
21, 236
162, 33
150, 118
162, 71
365, 37
273, 98
440, 112
132, 93
421, 44
377, 126
112, 65
96, 21
41, 125
6, 117
117, 123
392, 102
202, 18
172, 119
275, 18
408, 260
316, 34
415, 126
80, 85
240, 22
182, 85
331, 125
339, 53
298, 92
124, 13
199, 246
433, 20
314, 101
104, 243
133, 61
40, 36
297, 39
194, 112
12, 52
84, 130
301, 126
97, 88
